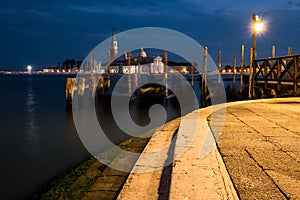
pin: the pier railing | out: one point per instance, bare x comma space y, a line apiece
276, 77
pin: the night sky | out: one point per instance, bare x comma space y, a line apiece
43, 33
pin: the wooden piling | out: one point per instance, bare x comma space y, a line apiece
219, 66
289, 54
137, 73
273, 53
265, 73
251, 75
272, 61
136, 80
106, 82
192, 71
91, 60
81, 85
278, 78
233, 75
69, 91
295, 76
289, 51
166, 73
129, 77
204, 69
92, 85
242, 69
107, 77
100, 84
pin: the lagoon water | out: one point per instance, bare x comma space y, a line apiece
38, 139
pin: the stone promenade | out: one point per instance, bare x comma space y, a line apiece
239, 150
260, 145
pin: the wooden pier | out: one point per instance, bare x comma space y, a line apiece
276, 77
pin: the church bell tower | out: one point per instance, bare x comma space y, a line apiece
113, 51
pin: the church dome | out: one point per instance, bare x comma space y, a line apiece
142, 53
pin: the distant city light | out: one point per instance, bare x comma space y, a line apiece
29, 68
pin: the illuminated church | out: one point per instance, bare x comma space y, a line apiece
142, 63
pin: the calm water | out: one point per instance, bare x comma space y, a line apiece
38, 139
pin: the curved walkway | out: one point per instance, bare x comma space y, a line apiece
256, 156
191, 175
259, 144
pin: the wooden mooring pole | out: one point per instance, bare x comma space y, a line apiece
69, 92
219, 65
193, 68
129, 76
204, 69
296, 68
233, 75
251, 74
100, 84
166, 73
91, 61
290, 51
272, 61
273, 53
242, 69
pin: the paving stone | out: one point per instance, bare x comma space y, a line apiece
256, 157
269, 166
289, 185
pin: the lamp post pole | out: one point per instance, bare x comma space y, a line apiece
252, 57
254, 21
257, 26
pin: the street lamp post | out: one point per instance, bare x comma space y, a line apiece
254, 35
257, 26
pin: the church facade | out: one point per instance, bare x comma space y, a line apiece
141, 64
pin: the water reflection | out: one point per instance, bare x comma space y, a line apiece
32, 130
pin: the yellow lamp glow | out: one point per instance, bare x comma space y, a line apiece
258, 26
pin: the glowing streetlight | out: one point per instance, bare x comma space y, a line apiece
29, 68
257, 27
